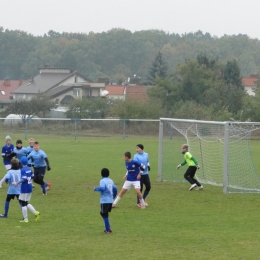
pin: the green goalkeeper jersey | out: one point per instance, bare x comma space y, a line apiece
191, 161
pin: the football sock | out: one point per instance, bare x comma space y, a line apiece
43, 188
116, 200
142, 202
31, 208
107, 225
6, 207
24, 211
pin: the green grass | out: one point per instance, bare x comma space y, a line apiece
177, 224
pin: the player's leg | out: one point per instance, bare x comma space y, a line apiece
139, 194
188, 176
105, 209
41, 173
147, 184
125, 188
141, 189
6, 206
24, 210
200, 187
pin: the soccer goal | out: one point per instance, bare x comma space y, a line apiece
222, 149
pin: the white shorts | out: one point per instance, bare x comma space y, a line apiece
25, 196
128, 184
8, 166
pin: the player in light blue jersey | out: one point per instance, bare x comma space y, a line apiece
40, 161
132, 178
108, 192
13, 175
26, 191
20, 150
30, 149
143, 158
7, 154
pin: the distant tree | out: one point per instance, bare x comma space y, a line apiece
204, 59
37, 106
159, 68
231, 74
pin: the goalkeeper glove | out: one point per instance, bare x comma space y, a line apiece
149, 168
48, 168
197, 166
179, 166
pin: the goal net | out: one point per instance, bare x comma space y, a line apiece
222, 149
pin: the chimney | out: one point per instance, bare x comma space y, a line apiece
31, 80
6, 82
20, 82
253, 76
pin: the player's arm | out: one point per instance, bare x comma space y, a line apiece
181, 164
48, 164
101, 187
195, 161
114, 191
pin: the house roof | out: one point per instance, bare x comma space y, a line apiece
44, 82
7, 86
249, 81
137, 92
115, 89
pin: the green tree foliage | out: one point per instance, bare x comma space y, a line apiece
37, 106
231, 74
88, 108
159, 69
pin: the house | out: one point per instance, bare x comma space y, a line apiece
250, 84
116, 91
7, 86
62, 85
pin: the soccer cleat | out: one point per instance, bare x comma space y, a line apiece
108, 231
199, 188
192, 186
48, 186
37, 215
145, 203
24, 221
138, 205
3, 216
142, 207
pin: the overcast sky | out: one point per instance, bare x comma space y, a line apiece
217, 17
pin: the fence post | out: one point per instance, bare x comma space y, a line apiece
75, 126
26, 128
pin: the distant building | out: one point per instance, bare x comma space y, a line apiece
250, 84
7, 86
62, 85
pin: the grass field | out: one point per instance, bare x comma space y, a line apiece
177, 224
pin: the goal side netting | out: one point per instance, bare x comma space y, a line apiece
222, 150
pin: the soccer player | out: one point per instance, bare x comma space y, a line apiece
30, 149
13, 175
20, 150
193, 166
40, 162
26, 191
108, 192
143, 158
132, 178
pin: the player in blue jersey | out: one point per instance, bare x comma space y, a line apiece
41, 162
26, 191
143, 158
30, 149
13, 175
191, 171
108, 192
20, 150
132, 178
7, 154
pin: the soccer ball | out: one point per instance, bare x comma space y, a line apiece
104, 93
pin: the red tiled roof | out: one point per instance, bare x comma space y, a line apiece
7, 86
137, 92
249, 81
115, 89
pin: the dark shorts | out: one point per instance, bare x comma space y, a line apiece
105, 207
40, 171
12, 196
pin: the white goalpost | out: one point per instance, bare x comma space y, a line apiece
221, 148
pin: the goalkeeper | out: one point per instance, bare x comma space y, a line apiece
193, 166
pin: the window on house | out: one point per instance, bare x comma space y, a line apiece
3, 92
76, 93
